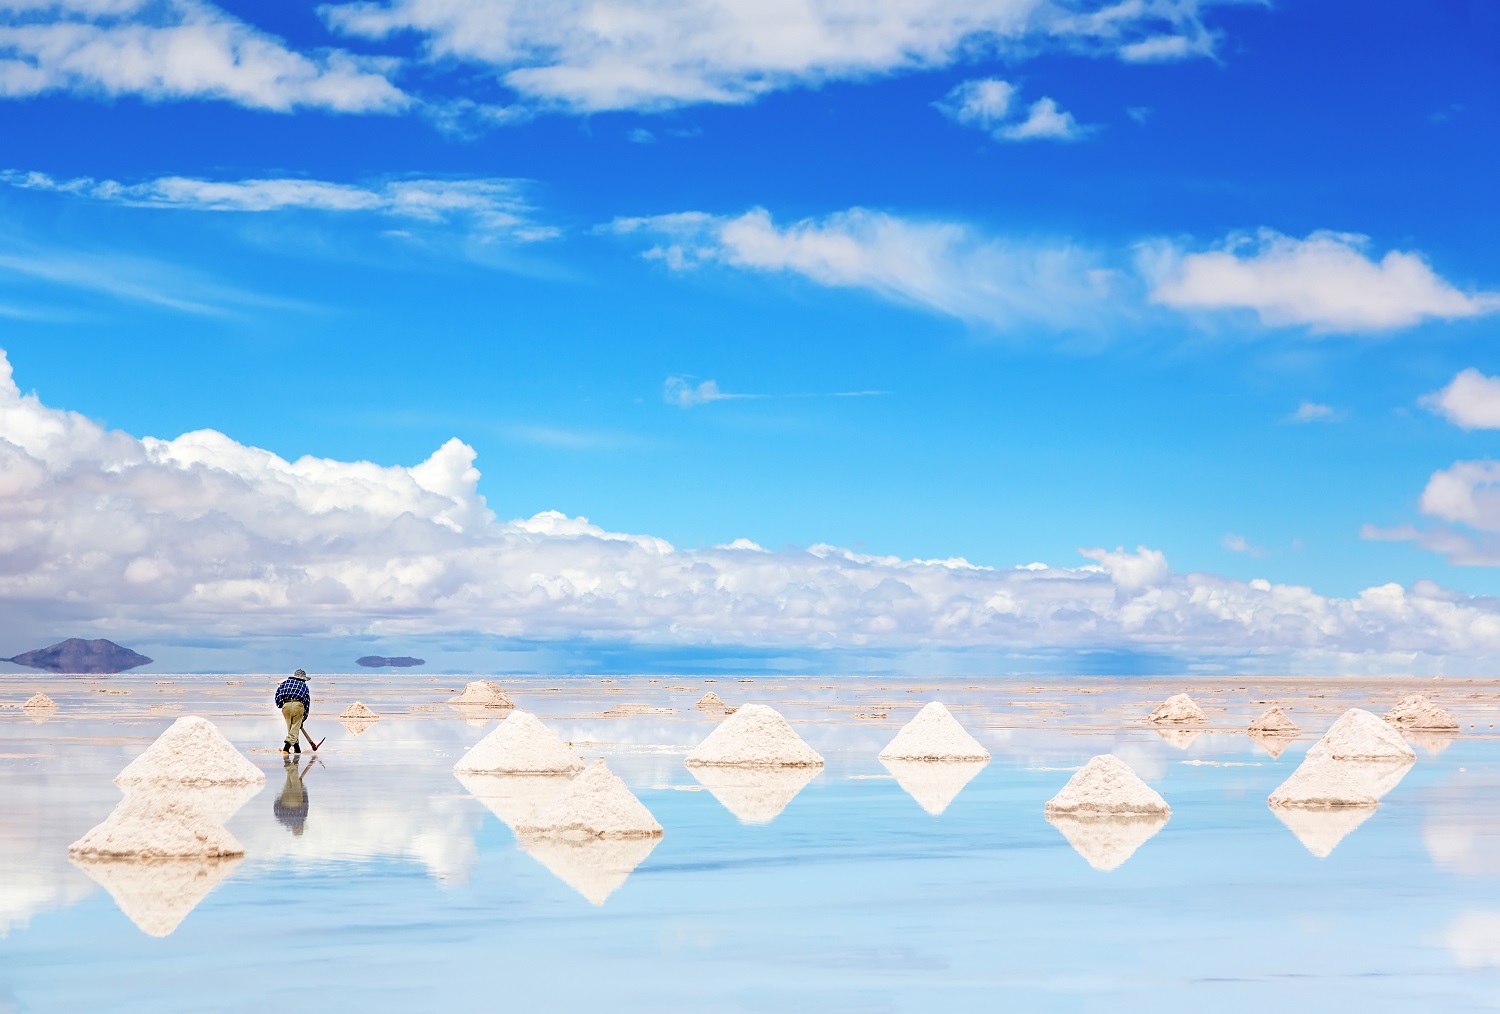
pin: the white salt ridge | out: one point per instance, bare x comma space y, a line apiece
1106, 784
934, 735
39, 700
1178, 708
520, 744
194, 752
1275, 721
157, 894
1325, 782
1106, 842
596, 804
358, 710
144, 826
594, 867
515, 799
933, 785
755, 735
1417, 712
755, 795
1359, 735
486, 693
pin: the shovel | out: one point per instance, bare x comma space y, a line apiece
311, 742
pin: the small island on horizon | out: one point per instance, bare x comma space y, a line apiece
76, 655
381, 661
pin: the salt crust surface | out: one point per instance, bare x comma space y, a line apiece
1326, 781
1417, 712
1320, 830
596, 804
594, 867
1106, 784
755, 795
1274, 720
1178, 708
145, 826
934, 735
486, 693
357, 710
520, 744
755, 735
1359, 735
39, 700
1105, 842
515, 799
933, 785
157, 894
192, 751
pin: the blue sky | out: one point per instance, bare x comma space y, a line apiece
997, 281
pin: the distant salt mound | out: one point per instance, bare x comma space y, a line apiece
755, 795
358, 710
710, 702
194, 752
1417, 712
1275, 721
934, 735
1359, 735
1177, 710
158, 894
39, 702
144, 826
596, 804
1321, 830
1107, 785
515, 799
520, 745
1326, 782
754, 736
484, 693
933, 785
594, 867
1106, 842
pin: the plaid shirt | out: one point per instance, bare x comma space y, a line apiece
294, 689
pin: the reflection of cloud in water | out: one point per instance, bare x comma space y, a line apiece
596, 867
1320, 829
1273, 744
754, 795
933, 784
1180, 738
1462, 829
157, 894
1474, 939
1431, 743
515, 799
1107, 841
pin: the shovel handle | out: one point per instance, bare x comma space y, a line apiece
311, 742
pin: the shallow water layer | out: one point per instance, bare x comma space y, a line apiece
376, 879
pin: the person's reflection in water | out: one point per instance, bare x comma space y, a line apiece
291, 806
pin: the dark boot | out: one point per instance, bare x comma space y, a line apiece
297, 747
285, 747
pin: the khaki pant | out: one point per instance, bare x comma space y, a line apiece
294, 713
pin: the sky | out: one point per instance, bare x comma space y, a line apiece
904, 336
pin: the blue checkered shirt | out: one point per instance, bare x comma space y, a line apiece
293, 689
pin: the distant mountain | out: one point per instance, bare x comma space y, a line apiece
78, 655
380, 661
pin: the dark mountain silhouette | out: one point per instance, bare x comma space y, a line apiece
380, 661
78, 655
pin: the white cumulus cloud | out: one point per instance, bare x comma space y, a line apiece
1312, 411
682, 392
1463, 503
987, 103
1471, 400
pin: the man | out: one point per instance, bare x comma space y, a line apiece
295, 702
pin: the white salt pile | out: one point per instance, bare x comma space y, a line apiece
594, 867
1106, 785
39, 700
933, 786
1325, 781
1359, 735
1106, 842
485, 693
358, 710
1274, 721
755, 735
755, 795
515, 799
520, 745
596, 804
194, 752
144, 826
934, 735
710, 702
158, 894
1417, 712
216, 802
1178, 708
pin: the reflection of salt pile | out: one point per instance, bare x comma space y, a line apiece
146, 826
1106, 785
39, 701
596, 804
1417, 712
358, 726
933, 784
1107, 841
515, 799
1432, 743
934, 735
158, 894
755, 795
520, 745
1320, 830
755, 735
483, 693
595, 867
1275, 721
358, 710
1271, 743
710, 702
192, 752
1177, 709
1179, 738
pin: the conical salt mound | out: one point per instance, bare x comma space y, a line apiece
157, 894
934, 735
486, 693
1320, 830
1359, 735
710, 702
143, 826
755, 795
1274, 720
358, 710
1324, 781
1417, 712
596, 804
1178, 708
39, 700
216, 802
520, 745
933, 786
1107, 785
755, 735
594, 867
1106, 842
515, 799
192, 751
